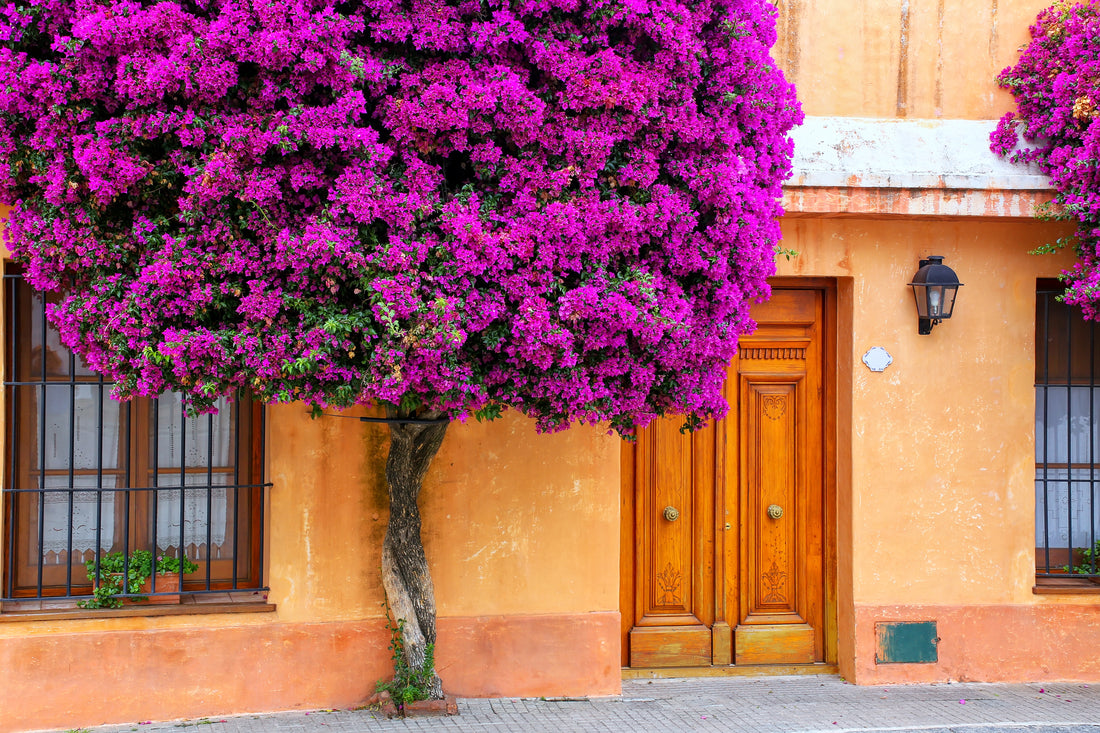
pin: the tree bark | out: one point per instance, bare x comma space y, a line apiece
405, 575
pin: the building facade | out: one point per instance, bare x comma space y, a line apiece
888, 506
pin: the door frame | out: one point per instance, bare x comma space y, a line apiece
727, 544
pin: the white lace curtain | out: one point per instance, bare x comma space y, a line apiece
93, 514
83, 425
1066, 421
196, 517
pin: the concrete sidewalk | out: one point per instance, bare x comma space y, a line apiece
769, 704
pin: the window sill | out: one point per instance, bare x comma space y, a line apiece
190, 604
1066, 585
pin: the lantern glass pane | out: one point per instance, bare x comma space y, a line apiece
949, 292
920, 295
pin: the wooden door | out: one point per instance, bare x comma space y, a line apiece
727, 531
779, 383
674, 551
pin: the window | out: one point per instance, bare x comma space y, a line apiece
86, 475
1067, 441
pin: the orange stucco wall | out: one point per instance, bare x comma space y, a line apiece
935, 514
935, 469
521, 531
936, 499
514, 522
989, 643
60, 677
889, 58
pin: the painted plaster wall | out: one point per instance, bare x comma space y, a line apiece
901, 58
521, 531
936, 501
942, 442
936, 505
514, 522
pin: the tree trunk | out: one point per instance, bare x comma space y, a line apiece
405, 575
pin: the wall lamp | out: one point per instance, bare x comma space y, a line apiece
934, 287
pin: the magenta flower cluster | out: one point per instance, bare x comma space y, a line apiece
1056, 84
565, 207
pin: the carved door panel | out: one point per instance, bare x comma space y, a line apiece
779, 453
725, 543
674, 509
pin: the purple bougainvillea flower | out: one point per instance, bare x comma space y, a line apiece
1056, 84
566, 208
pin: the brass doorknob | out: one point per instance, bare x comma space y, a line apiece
672, 513
775, 511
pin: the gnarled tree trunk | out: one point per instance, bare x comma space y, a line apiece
405, 575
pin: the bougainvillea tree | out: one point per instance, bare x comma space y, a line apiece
1056, 84
446, 207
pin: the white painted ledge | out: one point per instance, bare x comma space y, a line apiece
910, 168
912, 154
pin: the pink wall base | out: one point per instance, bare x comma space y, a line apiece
1004, 643
87, 679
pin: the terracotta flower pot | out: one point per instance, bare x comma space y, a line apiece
166, 583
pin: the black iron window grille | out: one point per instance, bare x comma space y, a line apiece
88, 479
1067, 439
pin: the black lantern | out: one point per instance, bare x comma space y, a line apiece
934, 287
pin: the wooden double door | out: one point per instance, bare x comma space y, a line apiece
728, 533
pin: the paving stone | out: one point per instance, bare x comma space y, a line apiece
801, 704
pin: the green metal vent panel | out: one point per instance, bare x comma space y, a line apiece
906, 642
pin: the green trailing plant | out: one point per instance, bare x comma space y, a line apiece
108, 573
1089, 563
409, 684
168, 565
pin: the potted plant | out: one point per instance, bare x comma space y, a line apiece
1086, 560
117, 575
